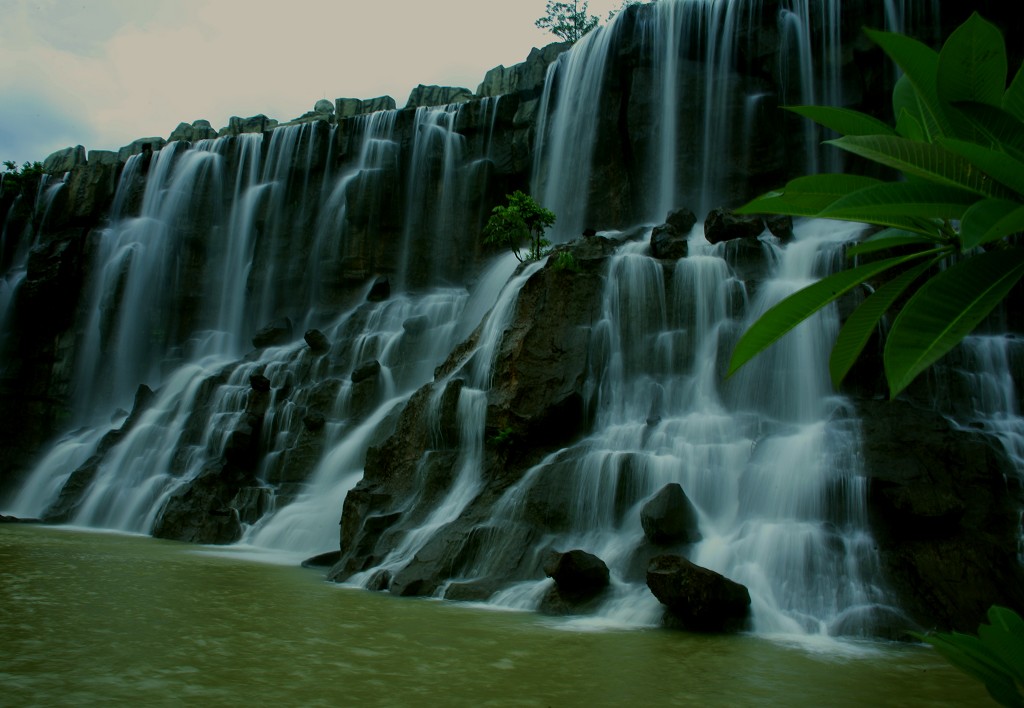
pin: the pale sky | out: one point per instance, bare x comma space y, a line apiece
101, 73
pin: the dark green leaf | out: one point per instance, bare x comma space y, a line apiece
886, 239
1004, 636
920, 64
1013, 99
843, 120
909, 127
794, 309
972, 64
892, 203
992, 163
862, 323
989, 220
807, 196
906, 106
945, 310
969, 655
929, 161
999, 128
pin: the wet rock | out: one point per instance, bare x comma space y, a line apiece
578, 575
698, 599
4, 519
944, 509
724, 225
200, 512
322, 560
274, 334
259, 382
669, 517
317, 341
780, 226
668, 244
380, 291
369, 370
314, 421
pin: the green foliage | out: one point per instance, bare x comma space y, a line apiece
959, 142
568, 21
995, 656
522, 219
503, 438
15, 180
566, 261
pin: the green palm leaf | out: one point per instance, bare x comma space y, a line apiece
894, 203
862, 323
794, 309
945, 310
989, 220
927, 160
843, 120
886, 239
807, 196
920, 65
992, 163
1013, 99
972, 64
1001, 129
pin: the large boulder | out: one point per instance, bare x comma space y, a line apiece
437, 96
669, 517
527, 76
578, 575
698, 599
724, 225
64, 160
669, 240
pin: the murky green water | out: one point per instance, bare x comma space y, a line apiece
90, 619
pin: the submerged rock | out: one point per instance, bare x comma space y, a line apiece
698, 599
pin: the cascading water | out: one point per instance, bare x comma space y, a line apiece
769, 459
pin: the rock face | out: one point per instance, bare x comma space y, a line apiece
700, 600
527, 77
437, 96
65, 160
723, 225
943, 505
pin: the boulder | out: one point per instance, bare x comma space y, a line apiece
324, 106
274, 334
199, 512
322, 560
137, 147
578, 575
724, 225
526, 77
365, 372
317, 341
669, 517
437, 96
254, 124
103, 157
697, 599
780, 226
65, 160
668, 243
349, 107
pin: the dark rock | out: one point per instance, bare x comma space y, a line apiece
668, 244
18, 520
322, 560
380, 290
526, 77
724, 225
314, 421
367, 371
416, 325
140, 146
317, 341
780, 226
437, 96
682, 220
578, 575
379, 581
274, 334
701, 600
200, 513
64, 160
259, 382
943, 515
669, 517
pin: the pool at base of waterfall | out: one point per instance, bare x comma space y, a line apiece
102, 618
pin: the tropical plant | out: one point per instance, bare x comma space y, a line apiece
566, 261
568, 21
949, 224
521, 219
995, 656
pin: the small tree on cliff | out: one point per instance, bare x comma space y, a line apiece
522, 219
567, 20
